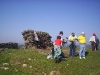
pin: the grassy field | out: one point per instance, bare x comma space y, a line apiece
32, 62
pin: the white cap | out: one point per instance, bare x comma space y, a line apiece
82, 33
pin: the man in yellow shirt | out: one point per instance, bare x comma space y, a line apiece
82, 41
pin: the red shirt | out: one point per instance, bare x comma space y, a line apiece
58, 42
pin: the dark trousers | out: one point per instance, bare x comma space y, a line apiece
72, 50
93, 46
96, 46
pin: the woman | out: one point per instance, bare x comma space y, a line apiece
94, 42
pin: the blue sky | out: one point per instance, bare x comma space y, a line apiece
49, 16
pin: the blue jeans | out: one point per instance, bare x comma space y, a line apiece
82, 50
72, 50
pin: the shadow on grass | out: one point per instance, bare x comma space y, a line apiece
86, 53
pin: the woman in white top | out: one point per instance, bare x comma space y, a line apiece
94, 42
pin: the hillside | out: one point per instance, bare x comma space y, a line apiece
32, 62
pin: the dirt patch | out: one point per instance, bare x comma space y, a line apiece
46, 52
54, 73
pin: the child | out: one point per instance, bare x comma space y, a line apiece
58, 41
57, 50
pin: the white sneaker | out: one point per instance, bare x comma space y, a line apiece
80, 57
84, 57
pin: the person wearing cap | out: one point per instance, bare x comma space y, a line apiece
72, 39
82, 42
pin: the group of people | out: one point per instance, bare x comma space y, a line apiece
58, 43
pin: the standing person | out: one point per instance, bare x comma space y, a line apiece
82, 42
61, 34
94, 42
72, 38
97, 43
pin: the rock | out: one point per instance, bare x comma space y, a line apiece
54, 73
29, 58
36, 39
24, 65
5, 64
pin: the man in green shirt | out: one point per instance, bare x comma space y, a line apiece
72, 38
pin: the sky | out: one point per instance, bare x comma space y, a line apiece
51, 16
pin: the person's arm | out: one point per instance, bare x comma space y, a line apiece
78, 39
54, 43
90, 40
61, 43
70, 39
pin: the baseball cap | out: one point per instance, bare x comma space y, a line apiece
82, 33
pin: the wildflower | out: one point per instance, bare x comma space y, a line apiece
6, 68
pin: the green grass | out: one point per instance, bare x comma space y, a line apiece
39, 64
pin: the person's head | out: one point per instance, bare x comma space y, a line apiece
73, 34
61, 33
58, 37
83, 34
66, 37
94, 34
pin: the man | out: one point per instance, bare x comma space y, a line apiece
72, 38
82, 41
